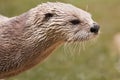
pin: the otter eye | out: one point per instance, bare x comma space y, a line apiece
75, 22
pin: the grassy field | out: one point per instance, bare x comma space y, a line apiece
98, 61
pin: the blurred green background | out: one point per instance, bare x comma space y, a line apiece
98, 61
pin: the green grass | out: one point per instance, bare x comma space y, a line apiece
97, 62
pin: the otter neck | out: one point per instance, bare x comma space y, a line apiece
28, 45
38, 42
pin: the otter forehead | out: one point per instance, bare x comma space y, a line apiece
63, 8
66, 10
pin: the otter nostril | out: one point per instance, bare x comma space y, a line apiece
95, 28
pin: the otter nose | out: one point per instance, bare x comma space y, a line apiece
95, 28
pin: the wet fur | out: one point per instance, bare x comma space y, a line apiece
27, 39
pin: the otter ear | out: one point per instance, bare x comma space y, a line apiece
48, 16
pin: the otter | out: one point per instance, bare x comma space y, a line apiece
29, 38
2, 19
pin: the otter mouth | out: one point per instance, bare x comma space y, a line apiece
85, 34
93, 33
82, 36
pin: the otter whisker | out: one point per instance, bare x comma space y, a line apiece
66, 49
78, 49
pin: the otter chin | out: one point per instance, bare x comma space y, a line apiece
27, 39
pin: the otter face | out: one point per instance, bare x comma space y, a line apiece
68, 23
78, 24
82, 29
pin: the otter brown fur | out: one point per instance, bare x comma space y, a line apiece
27, 39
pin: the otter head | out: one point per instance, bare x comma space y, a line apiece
64, 22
